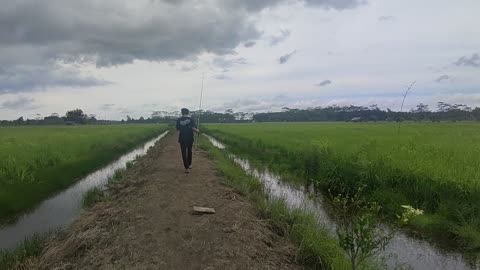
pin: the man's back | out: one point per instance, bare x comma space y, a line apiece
185, 125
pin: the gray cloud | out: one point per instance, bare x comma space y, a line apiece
387, 18
19, 103
112, 33
107, 107
249, 44
281, 97
109, 33
282, 36
335, 4
284, 58
256, 5
226, 63
186, 68
472, 61
35, 36
26, 78
251, 5
252, 105
125, 111
222, 77
323, 83
443, 78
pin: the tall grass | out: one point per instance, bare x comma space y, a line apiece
16, 258
431, 166
38, 161
97, 194
92, 196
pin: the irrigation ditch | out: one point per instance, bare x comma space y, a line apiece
61, 210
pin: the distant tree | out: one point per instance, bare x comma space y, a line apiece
421, 108
53, 119
76, 116
20, 121
443, 106
214, 117
159, 114
240, 116
91, 119
476, 113
421, 111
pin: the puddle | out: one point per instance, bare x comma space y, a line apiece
402, 249
62, 209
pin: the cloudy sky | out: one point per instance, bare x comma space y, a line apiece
115, 58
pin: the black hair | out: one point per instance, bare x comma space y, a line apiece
185, 111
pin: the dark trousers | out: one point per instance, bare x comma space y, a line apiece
186, 154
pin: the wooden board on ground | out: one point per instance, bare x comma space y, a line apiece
203, 210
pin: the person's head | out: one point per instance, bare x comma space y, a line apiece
185, 111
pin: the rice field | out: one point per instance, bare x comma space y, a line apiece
431, 166
37, 161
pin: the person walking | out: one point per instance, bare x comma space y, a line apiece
186, 127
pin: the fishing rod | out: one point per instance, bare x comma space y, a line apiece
199, 111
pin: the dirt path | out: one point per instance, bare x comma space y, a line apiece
148, 223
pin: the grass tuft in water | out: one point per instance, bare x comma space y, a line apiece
20, 256
94, 196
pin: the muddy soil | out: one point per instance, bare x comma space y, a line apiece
148, 223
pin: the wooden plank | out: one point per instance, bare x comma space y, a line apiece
203, 210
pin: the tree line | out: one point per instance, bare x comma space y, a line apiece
73, 117
421, 112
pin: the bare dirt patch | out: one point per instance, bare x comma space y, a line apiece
148, 223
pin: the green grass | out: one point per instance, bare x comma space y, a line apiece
92, 196
431, 166
96, 194
30, 248
37, 161
316, 247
